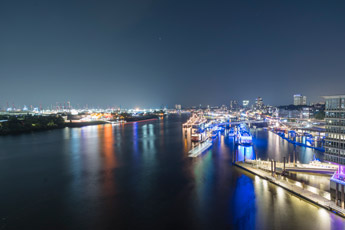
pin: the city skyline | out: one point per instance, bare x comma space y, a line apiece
151, 53
69, 105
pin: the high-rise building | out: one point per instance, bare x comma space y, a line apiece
335, 144
245, 103
298, 99
259, 103
223, 108
233, 105
178, 107
335, 129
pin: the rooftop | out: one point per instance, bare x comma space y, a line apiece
334, 96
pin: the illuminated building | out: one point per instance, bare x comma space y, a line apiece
335, 128
335, 144
223, 108
298, 99
259, 102
233, 105
245, 103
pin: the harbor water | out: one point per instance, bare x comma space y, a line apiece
138, 175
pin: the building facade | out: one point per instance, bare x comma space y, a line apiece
178, 107
298, 99
234, 105
335, 144
259, 103
245, 103
335, 129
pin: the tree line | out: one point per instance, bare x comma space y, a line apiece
13, 124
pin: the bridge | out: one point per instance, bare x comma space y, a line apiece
201, 120
243, 122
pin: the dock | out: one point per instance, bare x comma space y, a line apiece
294, 189
313, 167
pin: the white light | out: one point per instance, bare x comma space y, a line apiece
74, 112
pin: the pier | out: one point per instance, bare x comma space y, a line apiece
293, 188
281, 167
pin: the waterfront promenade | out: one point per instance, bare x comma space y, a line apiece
294, 189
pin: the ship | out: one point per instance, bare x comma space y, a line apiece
198, 130
214, 133
243, 136
231, 133
198, 135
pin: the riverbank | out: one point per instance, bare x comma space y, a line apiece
88, 123
29, 123
294, 189
142, 118
85, 123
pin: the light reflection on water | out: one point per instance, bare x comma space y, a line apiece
268, 145
139, 174
255, 203
245, 153
244, 206
109, 160
203, 173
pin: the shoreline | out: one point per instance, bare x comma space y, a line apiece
72, 125
149, 119
82, 124
16, 133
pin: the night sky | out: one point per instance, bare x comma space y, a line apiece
151, 53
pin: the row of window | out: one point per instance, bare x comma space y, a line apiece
335, 114
334, 144
334, 129
335, 122
335, 103
334, 151
340, 160
336, 136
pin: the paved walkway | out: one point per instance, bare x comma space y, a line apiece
312, 197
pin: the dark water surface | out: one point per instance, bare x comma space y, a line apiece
139, 176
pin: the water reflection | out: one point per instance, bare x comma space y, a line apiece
106, 177
135, 138
108, 147
269, 145
204, 175
148, 138
109, 154
245, 153
75, 162
110, 163
244, 204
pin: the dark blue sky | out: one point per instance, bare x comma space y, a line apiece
149, 53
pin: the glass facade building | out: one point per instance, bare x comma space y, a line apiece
298, 99
335, 129
335, 145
